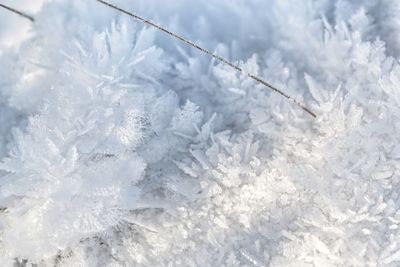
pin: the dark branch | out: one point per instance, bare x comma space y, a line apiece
219, 58
22, 14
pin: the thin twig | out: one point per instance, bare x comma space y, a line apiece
22, 14
206, 51
192, 44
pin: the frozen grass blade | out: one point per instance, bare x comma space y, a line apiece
13, 10
192, 44
208, 52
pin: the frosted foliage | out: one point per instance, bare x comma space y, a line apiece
122, 147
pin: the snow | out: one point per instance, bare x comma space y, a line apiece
120, 146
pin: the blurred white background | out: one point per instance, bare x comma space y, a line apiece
14, 28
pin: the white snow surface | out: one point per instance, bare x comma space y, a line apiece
120, 146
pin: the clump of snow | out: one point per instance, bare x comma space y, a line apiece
122, 147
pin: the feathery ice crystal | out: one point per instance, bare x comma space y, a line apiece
121, 147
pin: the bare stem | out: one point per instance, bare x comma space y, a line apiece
22, 14
192, 44
208, 52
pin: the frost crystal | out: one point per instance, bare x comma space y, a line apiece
121, 147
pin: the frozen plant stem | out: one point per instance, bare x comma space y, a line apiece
206, 51
13, 10
192, 44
